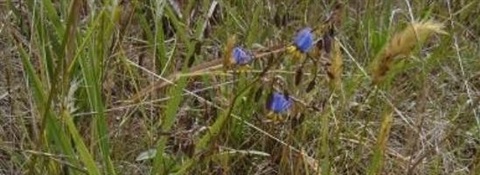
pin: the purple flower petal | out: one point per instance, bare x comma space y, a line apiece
279, 103
304, 40
240, 56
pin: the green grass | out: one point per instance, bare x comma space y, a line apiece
70, 72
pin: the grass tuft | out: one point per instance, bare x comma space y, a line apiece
149, 87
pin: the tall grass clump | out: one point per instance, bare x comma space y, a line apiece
239, 87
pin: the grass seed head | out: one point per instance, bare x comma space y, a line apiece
336, 66
402, 44
416, 33
228, 50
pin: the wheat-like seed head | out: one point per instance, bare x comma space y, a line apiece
402, 44
335, 68
416, 33
227, 57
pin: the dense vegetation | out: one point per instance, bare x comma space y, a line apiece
239, 87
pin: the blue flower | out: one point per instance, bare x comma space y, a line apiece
304, 40
240, 56
279, 103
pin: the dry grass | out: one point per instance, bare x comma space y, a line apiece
401, 45
95, 88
